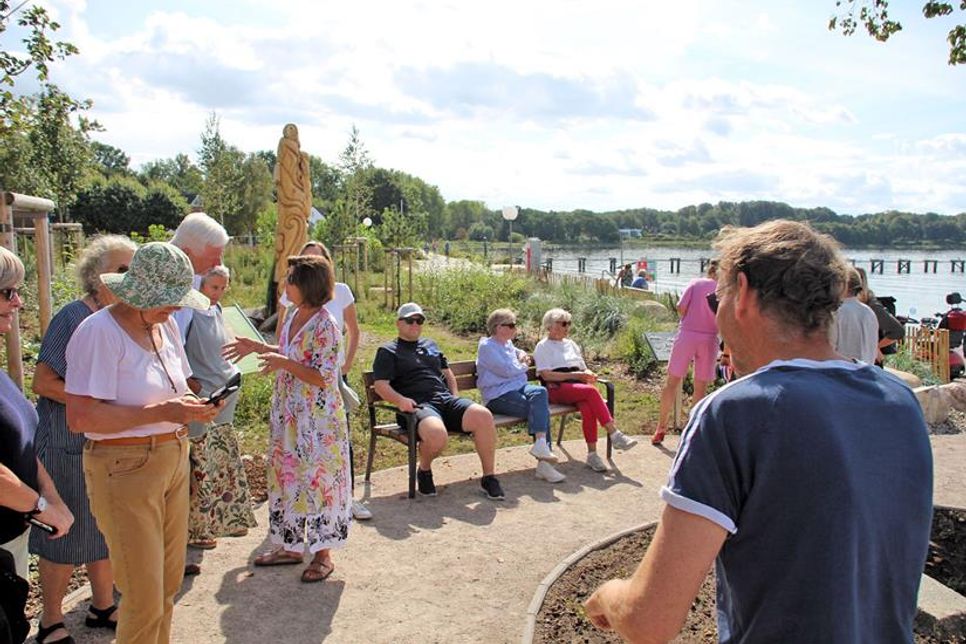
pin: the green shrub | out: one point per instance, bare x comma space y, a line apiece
462, 297
904, 360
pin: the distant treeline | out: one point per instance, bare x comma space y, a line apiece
703, 221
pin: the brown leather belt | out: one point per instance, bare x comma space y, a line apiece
180, 433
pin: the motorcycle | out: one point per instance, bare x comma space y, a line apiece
954, 321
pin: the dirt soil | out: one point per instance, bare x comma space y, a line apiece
561, 619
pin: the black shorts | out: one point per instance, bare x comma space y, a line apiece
447, 407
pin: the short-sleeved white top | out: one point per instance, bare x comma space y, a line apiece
103, 362
342, 299
555, 354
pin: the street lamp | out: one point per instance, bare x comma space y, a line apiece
509, 214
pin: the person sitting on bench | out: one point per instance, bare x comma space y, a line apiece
412, 373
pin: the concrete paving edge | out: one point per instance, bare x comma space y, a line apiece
541, 593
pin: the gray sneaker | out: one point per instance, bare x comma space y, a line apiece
619, 440
596, 463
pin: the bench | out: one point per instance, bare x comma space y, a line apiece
465, 373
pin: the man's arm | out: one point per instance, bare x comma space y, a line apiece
451, 381
652, 605
393, 397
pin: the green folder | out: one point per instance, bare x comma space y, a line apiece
239, 325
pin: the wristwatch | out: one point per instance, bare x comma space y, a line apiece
40, 507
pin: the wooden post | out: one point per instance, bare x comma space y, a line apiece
903, 266
409, 258
45, 274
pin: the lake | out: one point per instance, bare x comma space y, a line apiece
917, 293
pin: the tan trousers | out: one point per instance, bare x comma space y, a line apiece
139, 497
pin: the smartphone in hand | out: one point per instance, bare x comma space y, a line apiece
227, 389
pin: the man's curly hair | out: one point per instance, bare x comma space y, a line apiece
799, 274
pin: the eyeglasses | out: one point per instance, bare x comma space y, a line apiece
564, 323
713, 301
509, 325
410, 321
9, 293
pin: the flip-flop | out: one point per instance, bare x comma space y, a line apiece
317, 571
278, 557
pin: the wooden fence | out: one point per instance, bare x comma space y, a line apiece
932, 346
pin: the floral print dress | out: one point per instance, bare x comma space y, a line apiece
309, 491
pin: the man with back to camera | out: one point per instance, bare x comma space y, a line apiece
412, 373
808, 481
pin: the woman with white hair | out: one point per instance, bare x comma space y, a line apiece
501, 376
26, 489
61, 451
220, 498
561, 367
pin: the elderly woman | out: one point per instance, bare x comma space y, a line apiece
61, 451
501, 375
26, 490
220, 501
127, 390
309, 493
696, 342
561, 367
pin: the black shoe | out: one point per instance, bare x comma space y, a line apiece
424, 483
491, 488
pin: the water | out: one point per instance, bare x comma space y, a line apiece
917, 293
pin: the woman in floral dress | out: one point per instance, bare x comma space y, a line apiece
308, 489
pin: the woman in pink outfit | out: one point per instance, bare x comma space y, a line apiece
697, 341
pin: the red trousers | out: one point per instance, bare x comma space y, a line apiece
593, 409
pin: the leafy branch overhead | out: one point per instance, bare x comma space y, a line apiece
874, 16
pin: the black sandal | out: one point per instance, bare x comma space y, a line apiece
102, 617
44, 632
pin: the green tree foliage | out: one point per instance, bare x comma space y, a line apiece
873, 15
43, 137
354, 166
110, 160
180, 173
257, 187
122, 205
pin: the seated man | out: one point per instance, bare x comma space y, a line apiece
641, 280
412, 374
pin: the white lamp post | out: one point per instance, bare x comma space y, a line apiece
509, 214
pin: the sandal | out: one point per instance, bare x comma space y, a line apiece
317, 571
101, 617
43, 632
203, 544
279, 557
658, 437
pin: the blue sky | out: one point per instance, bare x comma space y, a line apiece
548, 104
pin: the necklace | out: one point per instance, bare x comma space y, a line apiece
149, 328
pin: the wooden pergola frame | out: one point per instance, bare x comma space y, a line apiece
38, 210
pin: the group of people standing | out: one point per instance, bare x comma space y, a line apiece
142, 462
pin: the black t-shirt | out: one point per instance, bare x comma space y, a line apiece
18, 424
414, 369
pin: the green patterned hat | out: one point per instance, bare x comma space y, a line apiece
160, 275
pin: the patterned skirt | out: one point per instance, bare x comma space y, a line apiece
220, 500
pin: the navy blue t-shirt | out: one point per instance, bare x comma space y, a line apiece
414, 369
822, 474
18, 425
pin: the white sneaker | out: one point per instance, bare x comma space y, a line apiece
541, 452
621, 441
360, 512
596, 463
547, 472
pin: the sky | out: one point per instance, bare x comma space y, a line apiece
549, 104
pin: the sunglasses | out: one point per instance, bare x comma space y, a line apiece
564, 324
9, 293
418, 321
509, 325
713, 301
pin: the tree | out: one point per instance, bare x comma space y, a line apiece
354, 166
110, 160
874, 16
257, 187
179, 172
224, 186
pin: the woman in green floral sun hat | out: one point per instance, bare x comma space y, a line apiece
127, 392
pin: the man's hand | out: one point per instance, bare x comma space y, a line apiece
602, 603
407, 405
58, 516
